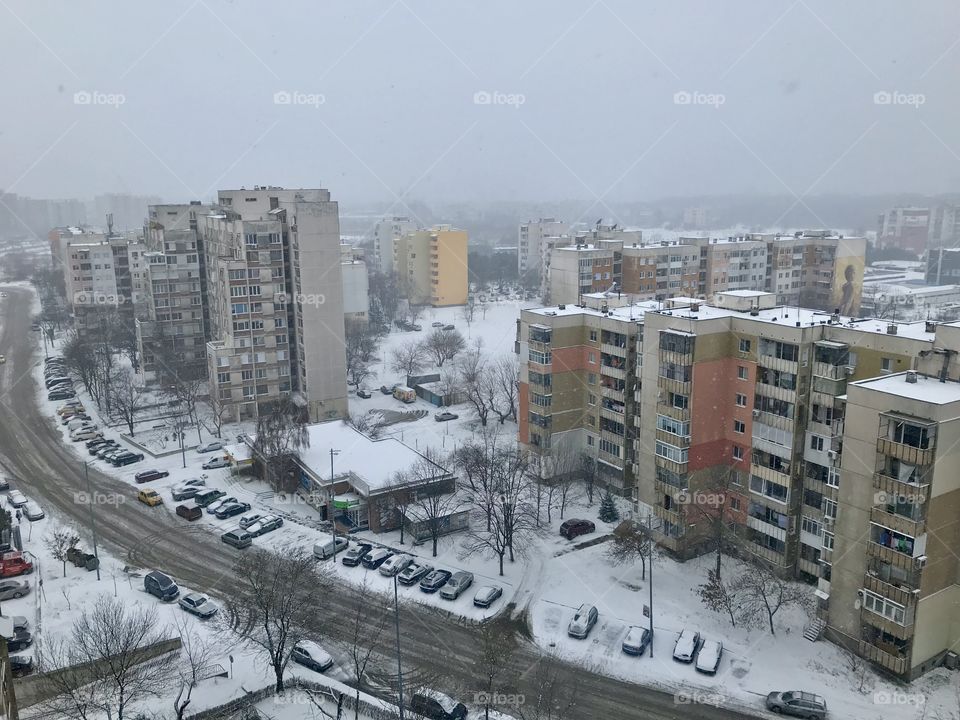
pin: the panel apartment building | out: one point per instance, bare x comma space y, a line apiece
275, 301
431, 266
814, 269
171, 337
532, 241
385, 231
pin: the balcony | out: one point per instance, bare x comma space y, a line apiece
613, 372
894, 661
682, 441
673, 412
897, 488
612, 393
768, 473
890, 556
619, 351
906, 453
831, 372
902, 595
611, 414
675, 386
897, 523
902, 632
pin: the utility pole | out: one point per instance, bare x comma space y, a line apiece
93, 523
396, 618
650, 551
333, 521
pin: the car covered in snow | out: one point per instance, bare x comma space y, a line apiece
414, 573
487, 595
636, 640
708, 659
267, 523
199, 605
686, 648
583, 621
210, 447
353, 556
311, 655
220, 461
436, 706
797, 703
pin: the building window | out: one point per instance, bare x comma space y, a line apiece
671, 452
591, 379
735, 503
674, 427
592, 358
739, 427
744, 346
886, 365
541, 358
591, 399
742, 372
737, 452
816, 443
741, 400
593, 336
223, 377
809, 525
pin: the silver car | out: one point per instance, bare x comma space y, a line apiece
797, 703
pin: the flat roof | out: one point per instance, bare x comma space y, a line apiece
926, 389
635, 311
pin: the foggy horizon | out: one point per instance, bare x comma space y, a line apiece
413, 102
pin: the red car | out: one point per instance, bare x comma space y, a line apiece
574, 528
148, 475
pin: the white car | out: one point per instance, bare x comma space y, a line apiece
216, 462
311, 655
708, 659
210, 447
251, 519
487, 595
395, 564
85, 434
17, 498
32, 511
686, 647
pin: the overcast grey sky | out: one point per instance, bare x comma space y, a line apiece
616, 99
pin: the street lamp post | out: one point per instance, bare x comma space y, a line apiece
396, 617
650, 551
93, 524
333, 521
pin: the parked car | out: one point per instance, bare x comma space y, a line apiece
217, 504
212, 446
311, 655
60, 394
78, 416
19, 622
161, 586
126, 458
188, 489
434, 580
583, 621
199, 605
266, 524
21, 639
85, 434
364, 394
636, 641
574, 527
250, 519
150, 497
375, 558
395, 564
205, 497
353, 556
455, 586
77, 423
708, 659
414, 572
21, 665
487, 595
4, 483
797, 703
10, 589
238, 538
189, 512
686, 648
449, 327
32, 511
325, 549
57, 380
437, 706
113, 446
96, 442
436, 324
17, 498
216, 462
228, 510
148, 475
388, 389
102, 445
445, 416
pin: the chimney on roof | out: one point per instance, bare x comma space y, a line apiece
891, 329
930, 326
911, 376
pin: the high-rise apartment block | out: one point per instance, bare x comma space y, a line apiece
275, 301
431, 266
385, 232
171, 337
531, 242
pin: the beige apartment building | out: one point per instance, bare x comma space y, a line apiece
275, 301
431, 266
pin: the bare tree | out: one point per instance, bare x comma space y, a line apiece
367, 626
128, 398
277, 595
469, 311
435, 499
102, 667
474, 378
197, 655
442, 345
504, 381
497, 645
589, 471
281, 433
556, 688
414, 312
722, 596
709, 506
765, 594
185, 391
359, 345
408, 359
631, 542
60, 542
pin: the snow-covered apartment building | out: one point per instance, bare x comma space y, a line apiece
830, 438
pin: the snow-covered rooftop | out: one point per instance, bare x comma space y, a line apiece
373, 461
926, 389
627, 312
